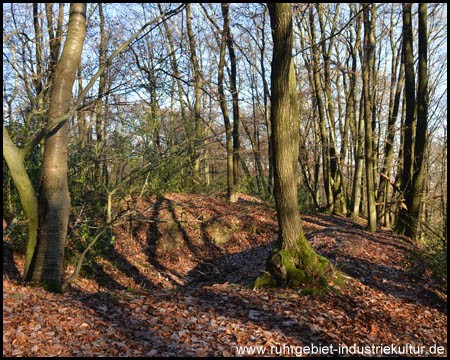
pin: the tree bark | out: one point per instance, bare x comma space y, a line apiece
358, 132
197, 90
403, 220
231, 193
99, 102
369, 47
415, 198
394, 105
54, 197
266, 106
14, 158
292, 262
326, 163
335, 172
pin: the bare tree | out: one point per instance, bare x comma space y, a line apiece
292, 262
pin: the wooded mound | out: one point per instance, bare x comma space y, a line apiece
177, 280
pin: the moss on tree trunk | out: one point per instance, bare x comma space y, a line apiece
297, 268
292, 263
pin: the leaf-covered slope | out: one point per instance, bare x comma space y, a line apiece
175, 282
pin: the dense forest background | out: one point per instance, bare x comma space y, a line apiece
170, 98
224, 179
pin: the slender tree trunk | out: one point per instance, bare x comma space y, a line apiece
414, 199
15, 158
197, 89
234, 94
231, 193
390, 138
176, 74
335, 172
312, 182
369, 44
403, 220
255, 142
54, 197
322, 126
258, 165
359, 163
99, 103
266, 106
81, 115
358, 133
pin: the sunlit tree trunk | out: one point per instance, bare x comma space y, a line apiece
234, 94
394, 106
414, 199
44, 81
292, 262
231, 192
197, 89
326, 163
54, 197
369, 47
15, 158
99, 118
266, 106
176, 74
335, 171
403, 220
355, 122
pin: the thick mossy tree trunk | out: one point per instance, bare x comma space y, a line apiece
293, 262
54, 197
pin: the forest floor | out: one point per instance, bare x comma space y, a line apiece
177, 282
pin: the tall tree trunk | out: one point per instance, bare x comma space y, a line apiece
414, 199
197, 90
335, 171
81, 115
394, 105
176, 74
43, 88
403, 220
358, 132
253, 142
369, 47
266, 105
99, 103
359, 162
54, 197
231, 192
255, 139
234, 94
322, 126
292, 262
312, 182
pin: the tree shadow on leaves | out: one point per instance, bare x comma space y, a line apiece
389, 280
9, 266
